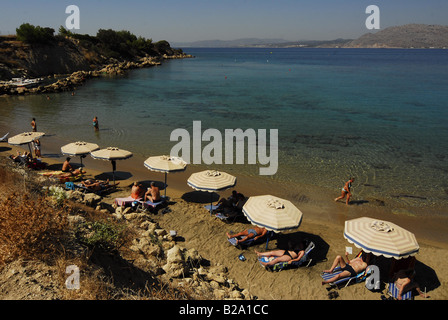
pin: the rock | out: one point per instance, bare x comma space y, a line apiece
174, 255
160, 232
91, 199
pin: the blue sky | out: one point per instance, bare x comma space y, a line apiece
193, 20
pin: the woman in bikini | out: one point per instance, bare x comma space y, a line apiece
346, 191
282, 255
255, 233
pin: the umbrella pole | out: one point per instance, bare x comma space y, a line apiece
211, 203
80, 157
31, 153
165, 184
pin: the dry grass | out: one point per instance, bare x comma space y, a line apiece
30, 228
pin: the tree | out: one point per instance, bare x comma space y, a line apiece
31, 34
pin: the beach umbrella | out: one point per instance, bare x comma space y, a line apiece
381, 238
111, 154
211, 181
165, 164
25, 138
79, 148
273, 213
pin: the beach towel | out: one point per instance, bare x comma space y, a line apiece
122, 202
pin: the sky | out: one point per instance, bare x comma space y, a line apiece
195, 20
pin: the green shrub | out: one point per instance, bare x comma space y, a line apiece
35, 34
101, 234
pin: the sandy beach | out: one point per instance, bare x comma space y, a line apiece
323, 223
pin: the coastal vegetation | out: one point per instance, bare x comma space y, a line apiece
37, 52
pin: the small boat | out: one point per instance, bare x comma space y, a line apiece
22, 82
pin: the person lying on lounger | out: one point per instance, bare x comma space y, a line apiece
349, 269
26, 156
97, 185
283, 255
255, 233
404, 280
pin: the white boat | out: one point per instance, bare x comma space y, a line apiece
22, 82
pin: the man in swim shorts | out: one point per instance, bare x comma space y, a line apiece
346, 191
349, 269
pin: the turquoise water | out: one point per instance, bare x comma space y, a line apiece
377, 114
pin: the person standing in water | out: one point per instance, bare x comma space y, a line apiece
95, 123
33, 125
346, 191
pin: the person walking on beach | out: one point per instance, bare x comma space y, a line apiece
95, 123
346, 191
33, 125
36, 144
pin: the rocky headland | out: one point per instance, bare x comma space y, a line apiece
68, 60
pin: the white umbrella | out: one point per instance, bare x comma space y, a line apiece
273, 213
79, 148
211, 181
111, 154
25, 138
381, 237
165, 164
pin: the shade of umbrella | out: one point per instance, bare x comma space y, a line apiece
79, 148
165, 164
381, 237
273, 213
211, 181
111, 154
25, 138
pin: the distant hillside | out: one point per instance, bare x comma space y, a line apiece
406, 36
245, 42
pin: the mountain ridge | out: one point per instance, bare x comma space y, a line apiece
404, 36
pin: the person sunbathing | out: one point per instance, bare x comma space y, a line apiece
153, 193
349, 269
98, 185
404, 281
254, 233
137, 191
282, 255
67, 168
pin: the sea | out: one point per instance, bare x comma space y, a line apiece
379, 115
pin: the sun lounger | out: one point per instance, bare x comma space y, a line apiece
304, 261
211, 207
251, 241
73, 186
123, 202
148, 205
393, 291
61, 176
347, 280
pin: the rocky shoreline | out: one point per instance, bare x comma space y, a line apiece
70, 82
